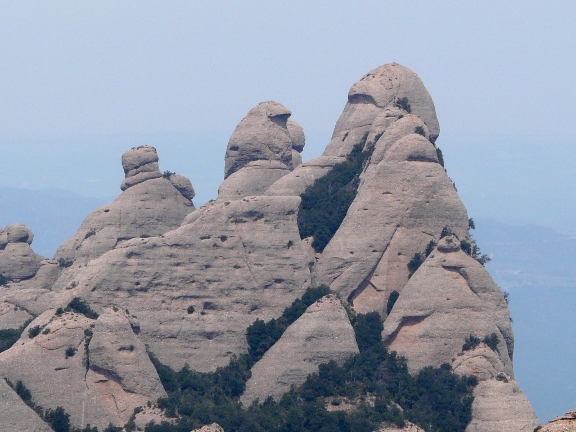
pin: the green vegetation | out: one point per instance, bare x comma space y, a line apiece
70, 352
325, 204
391, 301
491, 341
420, 131
440, 157
64, 263
79, 306
471, 249
34, 331
3, 280
8, 338
419, 258
167, 174
436, 399
261, 336
404, 104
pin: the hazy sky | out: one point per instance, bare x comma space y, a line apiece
81, 82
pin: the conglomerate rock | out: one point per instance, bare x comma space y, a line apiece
97, 370
150, 205
402, 205
15, 415
321, 334
565, 423
265, 146
17, 259
382, 96
196, 289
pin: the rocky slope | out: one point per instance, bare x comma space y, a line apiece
150, 273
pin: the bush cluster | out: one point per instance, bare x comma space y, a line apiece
491, 341
436, 399
325, 204
79, 306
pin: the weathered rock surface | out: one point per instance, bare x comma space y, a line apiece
149, 206
98, 371
565, 423
374, 103
410, 427
450, 297
15, 415
265, 146
261, 135
17, 259
196, 289
401, 205
501, 406
321, 334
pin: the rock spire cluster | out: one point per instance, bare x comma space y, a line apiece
151, 274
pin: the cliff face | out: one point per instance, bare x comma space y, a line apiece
158, 275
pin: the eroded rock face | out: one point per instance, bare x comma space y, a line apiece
261, 135
150, 205
563, 423
501, 406
321, 334
265, 146
403, 203
17, 259
450, 297
97, 370
196, 289
15, 415
380, 98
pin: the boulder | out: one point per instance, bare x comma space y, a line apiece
265, 146
501, 406
150, 205
214, 427
321, 334
17, 259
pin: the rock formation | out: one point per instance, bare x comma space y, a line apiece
322, 334
150, 205
17, 259
265, 146
185, 283
565, 423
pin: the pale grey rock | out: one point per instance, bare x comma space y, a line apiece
15, 415
17, 259
261, 135
12, 317
96, 388
149, 206
116, 352
401, 205
183, 185
296, 159
214, 427
372, 107
196, 289
501, 406
410, 427
19, 233
563, 423
252, 180
304, 175
450, 297
297, 135
321, 334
